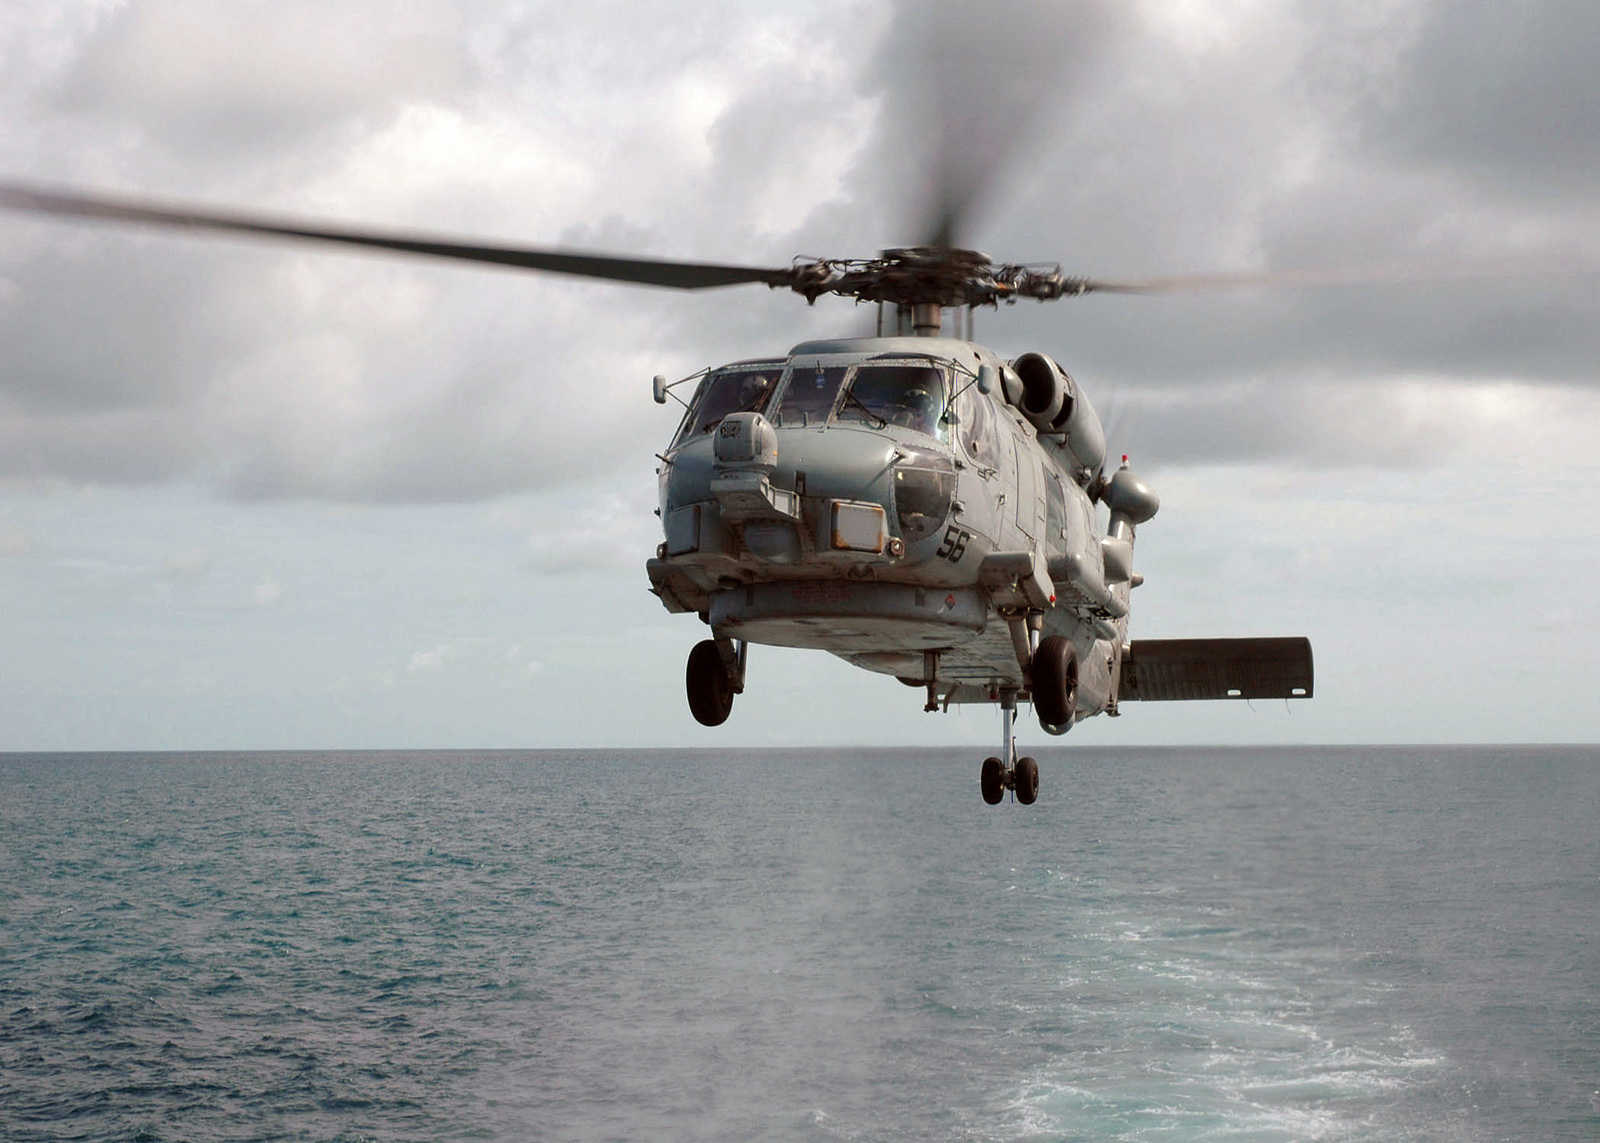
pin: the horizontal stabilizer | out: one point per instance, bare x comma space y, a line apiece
1165, 670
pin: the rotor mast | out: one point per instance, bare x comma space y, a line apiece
927, 319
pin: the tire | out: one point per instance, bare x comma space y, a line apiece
1027, 779
707, 682
993, 781
1055, 681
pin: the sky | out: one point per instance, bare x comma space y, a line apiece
265, 496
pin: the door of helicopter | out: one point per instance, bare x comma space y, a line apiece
1025, 515
1055, 520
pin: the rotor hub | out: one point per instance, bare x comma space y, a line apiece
944, 276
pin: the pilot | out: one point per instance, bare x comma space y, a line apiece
913, 409
753, 391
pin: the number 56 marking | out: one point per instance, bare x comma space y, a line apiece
955, 544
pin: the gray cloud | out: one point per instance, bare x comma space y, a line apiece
1508, 93
242, 83
1123, 141
1258, 145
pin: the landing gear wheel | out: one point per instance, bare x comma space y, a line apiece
993, 779
1055, 682
1027, 780
710, 689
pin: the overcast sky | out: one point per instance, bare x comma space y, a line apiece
261, 495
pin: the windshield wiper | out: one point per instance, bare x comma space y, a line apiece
850, 398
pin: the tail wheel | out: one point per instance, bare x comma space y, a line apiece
993, 779
1027, 780
710, 689
1055, 681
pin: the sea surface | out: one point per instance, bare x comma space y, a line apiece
799, 945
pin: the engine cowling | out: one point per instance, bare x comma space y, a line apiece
1046, 390
1053, 403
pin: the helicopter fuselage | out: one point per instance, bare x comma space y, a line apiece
902, 503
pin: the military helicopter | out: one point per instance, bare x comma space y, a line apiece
911, 502
921, 507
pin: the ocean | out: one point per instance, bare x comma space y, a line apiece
1363, 943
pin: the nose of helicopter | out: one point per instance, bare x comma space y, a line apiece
793, 531
793, 493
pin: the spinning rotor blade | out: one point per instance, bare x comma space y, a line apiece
1372, 274
943, 275
988, 75
642, 271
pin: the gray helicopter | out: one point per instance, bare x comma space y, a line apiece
923, 508
913, 503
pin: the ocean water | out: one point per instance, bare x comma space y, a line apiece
810, 946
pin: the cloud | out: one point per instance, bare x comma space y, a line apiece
1123, 140
518, 670
1405, 422
267, 591
601, 530
192, 563
431, 661
1500, 92
250, 79
15, 542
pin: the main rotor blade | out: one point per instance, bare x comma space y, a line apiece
989, 74
1372, 274
642, 271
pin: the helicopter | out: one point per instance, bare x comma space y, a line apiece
921, 507
911, 502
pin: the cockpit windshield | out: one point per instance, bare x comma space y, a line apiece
909, 394
733, 389
809, 398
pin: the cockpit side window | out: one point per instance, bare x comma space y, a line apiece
911, 395
810, 395
976, 427
736, 389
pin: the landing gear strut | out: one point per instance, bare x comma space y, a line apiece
1019, 775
